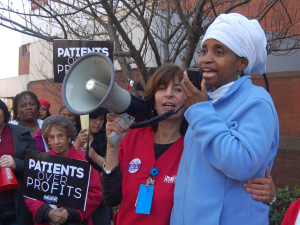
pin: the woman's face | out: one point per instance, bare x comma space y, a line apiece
59, 140
43, 112
169, 97
220, 65
96, 124
67, 113
1, 118
27, 108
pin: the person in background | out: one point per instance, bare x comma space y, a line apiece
44, 109
292, 215
14, 140
26, 113
233, 132
97, 136
73, 117
140, 152
65, 112
59, 132
97, 151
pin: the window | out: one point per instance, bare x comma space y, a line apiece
26, 49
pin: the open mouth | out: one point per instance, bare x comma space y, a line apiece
209, 73
169, 104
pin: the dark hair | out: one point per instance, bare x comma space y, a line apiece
5, 111
48, 113
76, 119
23, 94
61, 109
163, 76
77, 123
99, 112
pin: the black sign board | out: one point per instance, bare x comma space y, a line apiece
56, 179
66, 52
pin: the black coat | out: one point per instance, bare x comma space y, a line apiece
22, 140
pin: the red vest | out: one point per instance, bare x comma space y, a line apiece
139, 143
291, 214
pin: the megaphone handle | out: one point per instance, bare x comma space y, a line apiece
114, 137
125, 119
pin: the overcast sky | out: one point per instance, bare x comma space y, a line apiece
10, 41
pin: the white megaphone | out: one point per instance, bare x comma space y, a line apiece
90, 83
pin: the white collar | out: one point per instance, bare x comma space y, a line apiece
219, 93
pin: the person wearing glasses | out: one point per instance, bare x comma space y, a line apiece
97, 151
59, 132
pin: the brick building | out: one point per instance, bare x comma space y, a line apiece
283, 73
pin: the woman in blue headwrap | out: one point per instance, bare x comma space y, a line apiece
233, 129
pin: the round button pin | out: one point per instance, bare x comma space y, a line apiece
134, 165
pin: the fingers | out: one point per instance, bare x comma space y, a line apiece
268, 175
91, 151
82, 131
203, 87
57, 216
258, 181
262, 189
186, 81
111, 117
259, 192
7, 161
112, 124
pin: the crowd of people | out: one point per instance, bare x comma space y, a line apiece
207, 164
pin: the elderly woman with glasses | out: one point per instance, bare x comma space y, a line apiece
59, 132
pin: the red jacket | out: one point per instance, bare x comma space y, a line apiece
291, 214
94, 197
139, 144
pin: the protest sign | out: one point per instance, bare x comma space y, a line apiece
66, 52
56, 179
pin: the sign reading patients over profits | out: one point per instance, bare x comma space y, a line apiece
56, 179
66, 52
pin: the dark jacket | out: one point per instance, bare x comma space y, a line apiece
22, 140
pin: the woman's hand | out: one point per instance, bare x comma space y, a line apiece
58, 216
92, 152
112, 159
191, 94
7, 161
263, 189
97, 158
81, 139
112, 125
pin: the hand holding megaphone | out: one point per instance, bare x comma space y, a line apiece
124, 119
7, 161
115, 127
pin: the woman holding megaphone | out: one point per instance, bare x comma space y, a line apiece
14, 140
140, 170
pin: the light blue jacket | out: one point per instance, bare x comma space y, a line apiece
226, 144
